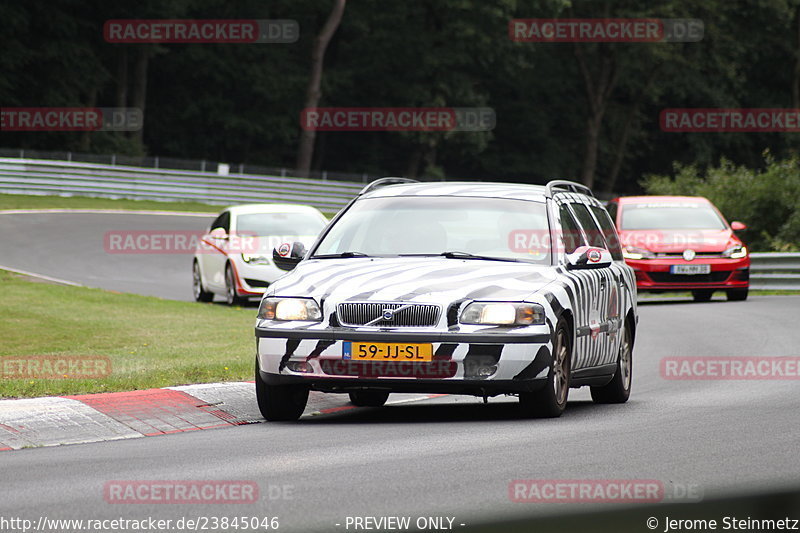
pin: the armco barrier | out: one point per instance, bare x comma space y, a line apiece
775, 271
37, 176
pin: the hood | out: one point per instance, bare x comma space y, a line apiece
436, 280
676, 241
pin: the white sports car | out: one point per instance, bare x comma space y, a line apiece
465, 288
234, 259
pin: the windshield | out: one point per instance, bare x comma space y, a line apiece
426, 225
661, 216
263, 224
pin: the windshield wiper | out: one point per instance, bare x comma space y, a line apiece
463, 255
343, 255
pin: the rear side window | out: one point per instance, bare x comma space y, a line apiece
607, 226
593, 232
570, 232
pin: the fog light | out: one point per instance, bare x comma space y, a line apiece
299, 366
486, 371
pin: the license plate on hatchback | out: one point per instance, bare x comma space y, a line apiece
690, 269
386, 351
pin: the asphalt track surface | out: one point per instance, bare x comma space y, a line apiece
72, 247
453, 456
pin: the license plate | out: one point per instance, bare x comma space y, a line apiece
690, 269
386, 351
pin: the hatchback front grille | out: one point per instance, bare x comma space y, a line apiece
402, 315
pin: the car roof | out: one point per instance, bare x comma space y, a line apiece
247, 209
518, 191
661, 199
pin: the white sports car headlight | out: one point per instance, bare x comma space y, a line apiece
305, 309
255, 259
503, 314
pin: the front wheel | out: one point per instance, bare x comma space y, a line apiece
231, 297
369, 398
199, 292
551, 400
280, 402
618, 390
737, 295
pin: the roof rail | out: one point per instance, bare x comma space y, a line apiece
382, 182
568, 186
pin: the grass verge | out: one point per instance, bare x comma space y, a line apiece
151, 342
23, 201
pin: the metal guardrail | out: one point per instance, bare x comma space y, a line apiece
36, 176
780, 271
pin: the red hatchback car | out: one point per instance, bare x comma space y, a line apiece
682, 243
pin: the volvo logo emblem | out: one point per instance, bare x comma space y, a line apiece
388, 314
689, 254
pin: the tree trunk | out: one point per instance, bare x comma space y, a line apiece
414, 161
796, 78
122, 78
85, 142
305, 151
622, 145
139, 99
598, 92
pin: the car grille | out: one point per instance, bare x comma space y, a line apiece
700, 255
362, 313
256, 282
666, 277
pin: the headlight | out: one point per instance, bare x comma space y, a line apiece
735, 252
255, 259
290, 309
632, 252
503, 314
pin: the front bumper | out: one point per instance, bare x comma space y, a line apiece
521, 360
252, 279
654, 274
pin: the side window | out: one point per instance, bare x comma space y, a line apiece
571, 233
593, 232
612, 238
222, 221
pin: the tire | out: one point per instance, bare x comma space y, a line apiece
618, 390
736, 295
199, 292
231, 298
280, 403
551, 400
369, 398
702, 295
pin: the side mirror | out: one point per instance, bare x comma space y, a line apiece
738, 226
218, 233
287, 255
588, 257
